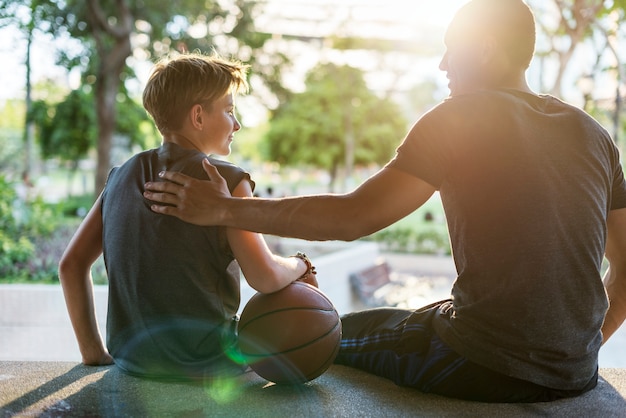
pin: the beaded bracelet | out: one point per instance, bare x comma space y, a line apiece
310, 268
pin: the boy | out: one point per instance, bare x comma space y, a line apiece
173, 287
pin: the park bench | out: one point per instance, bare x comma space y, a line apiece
379, 285
366, 282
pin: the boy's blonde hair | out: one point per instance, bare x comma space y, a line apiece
176, 84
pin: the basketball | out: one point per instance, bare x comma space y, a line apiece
290, 336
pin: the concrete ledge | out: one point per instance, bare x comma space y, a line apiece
70, 389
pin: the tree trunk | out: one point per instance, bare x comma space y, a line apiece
106, 90
333, 176
575, 25
112, 54
564, 60
29, 126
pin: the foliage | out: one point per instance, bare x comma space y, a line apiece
70, 133
10, 149
158, 28
11, 122
249, 144
75, 206
425, 240
22, 223
424, 231
314, 127
133, 122
576, 22
67, 130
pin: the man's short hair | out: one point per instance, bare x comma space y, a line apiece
511, 22
176, 84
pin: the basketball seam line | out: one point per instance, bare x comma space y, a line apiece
295, 348
282, 310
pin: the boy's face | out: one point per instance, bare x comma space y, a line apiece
220, 127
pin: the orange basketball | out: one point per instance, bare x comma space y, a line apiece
290, 336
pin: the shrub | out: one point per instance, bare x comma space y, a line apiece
431, 239
22, 225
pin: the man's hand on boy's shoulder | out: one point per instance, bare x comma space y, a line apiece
189, 199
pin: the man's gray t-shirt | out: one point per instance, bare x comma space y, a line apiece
173, 286
527, 183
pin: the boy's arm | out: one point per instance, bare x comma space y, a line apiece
615, 277
384, 198
263, 270
75, 276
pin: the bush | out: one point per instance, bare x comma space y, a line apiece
14, 253
76, 206
431, 239
23, 225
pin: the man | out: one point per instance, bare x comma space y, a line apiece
534, 196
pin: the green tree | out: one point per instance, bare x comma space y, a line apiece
576, 21
72, 129
21, 223
39, 12
67, 130
157, 28
337, 122
11, 145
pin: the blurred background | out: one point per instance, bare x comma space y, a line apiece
336, 84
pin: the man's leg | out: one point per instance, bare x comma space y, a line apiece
401, 345
388, 342
474, 382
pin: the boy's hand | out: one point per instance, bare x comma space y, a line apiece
102, 359
189, 199
310, 279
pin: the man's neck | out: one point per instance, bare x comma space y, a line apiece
515, 81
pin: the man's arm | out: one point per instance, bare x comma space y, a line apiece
615, 277
75, 277
384, 198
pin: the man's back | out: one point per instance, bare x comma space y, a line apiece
527, 183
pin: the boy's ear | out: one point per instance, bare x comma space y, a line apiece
195, 116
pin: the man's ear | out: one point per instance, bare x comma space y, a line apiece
196, 116
494, 60
490, 49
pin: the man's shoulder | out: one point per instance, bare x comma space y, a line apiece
488, 105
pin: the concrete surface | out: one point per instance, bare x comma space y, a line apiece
55, 389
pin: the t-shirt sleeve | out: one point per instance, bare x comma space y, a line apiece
231, 173
110, 176
425, 152
618, 192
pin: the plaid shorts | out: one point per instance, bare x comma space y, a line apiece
401, 345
